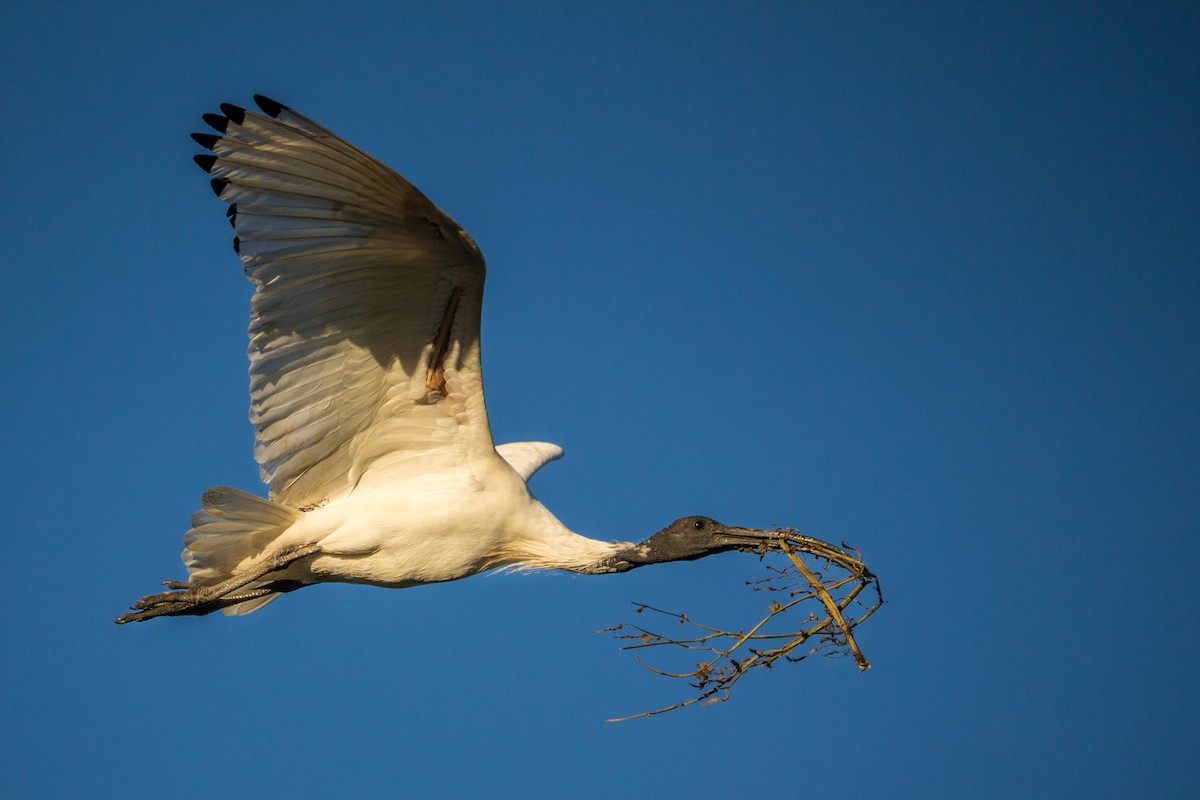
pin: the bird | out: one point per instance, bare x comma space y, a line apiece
366, 395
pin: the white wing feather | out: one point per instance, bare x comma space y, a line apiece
528, 457
356, 273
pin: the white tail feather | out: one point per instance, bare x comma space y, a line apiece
250, 605
231, 527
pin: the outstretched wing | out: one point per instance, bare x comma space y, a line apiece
364, 333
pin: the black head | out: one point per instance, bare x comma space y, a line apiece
690, 538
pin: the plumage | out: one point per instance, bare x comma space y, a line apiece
205, 140
366, 392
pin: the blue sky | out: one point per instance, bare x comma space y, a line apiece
921, 277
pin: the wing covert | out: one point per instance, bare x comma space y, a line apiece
528, 457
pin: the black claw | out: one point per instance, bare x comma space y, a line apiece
269, 106
218, 185
206, 140
236, 114
205, 161
217, 122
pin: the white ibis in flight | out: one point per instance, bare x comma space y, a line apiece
366, 394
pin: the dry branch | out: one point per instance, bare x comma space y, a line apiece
728, 655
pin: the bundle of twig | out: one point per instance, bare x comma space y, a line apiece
728, 655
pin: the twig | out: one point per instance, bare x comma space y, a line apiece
835, 611
730, 654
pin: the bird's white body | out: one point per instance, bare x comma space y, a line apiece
438, 527
397, 530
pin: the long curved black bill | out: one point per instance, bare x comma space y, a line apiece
756, 539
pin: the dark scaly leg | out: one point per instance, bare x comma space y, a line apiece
187, 600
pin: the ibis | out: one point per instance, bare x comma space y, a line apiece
366, 394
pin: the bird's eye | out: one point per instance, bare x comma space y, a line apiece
698, 524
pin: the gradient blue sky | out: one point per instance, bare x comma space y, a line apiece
922, 277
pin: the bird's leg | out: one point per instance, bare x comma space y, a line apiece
184, 599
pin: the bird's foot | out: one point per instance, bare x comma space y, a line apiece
182, 600
185, 599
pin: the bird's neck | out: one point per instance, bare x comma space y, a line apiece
542, 542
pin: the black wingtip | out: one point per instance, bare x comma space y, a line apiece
218, 185
205, 161
217, 122
236, 114
270, 107
237, 245
206, 140
231, 213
